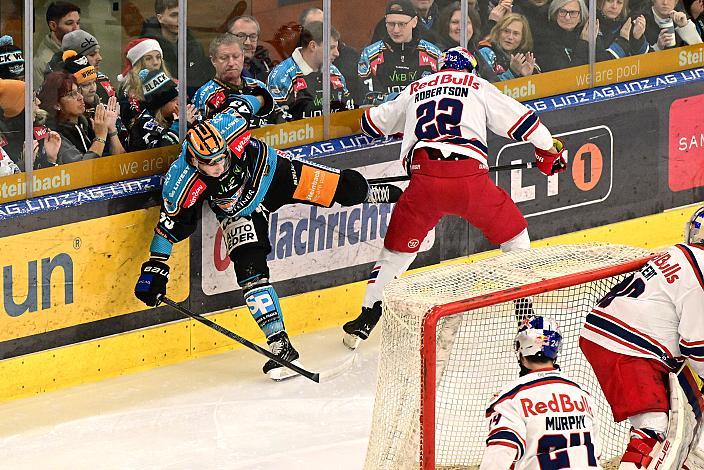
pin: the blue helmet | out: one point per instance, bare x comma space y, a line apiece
694, 229
457, 58
538, 336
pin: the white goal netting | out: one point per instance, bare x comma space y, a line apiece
475, 349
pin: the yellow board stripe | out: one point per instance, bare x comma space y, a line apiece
175, 342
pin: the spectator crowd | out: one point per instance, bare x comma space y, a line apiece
80, 113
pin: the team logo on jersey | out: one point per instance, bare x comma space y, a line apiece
425, 59
378, 60
217, 99
196, 190
108, 88
300, 84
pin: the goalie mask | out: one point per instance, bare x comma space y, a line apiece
694, 228
538, 336
457, 58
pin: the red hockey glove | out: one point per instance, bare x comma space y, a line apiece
551, 163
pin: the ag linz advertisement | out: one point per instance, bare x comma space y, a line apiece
307, 240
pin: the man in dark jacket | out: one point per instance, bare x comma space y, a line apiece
402, 57
164, 28
257, 63
346, 62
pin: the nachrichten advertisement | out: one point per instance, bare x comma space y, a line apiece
306, 240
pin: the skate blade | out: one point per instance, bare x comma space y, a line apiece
282, 373
351, 341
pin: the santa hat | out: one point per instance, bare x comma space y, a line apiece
11, 59
135, 50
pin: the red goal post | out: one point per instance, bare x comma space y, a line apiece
428, 410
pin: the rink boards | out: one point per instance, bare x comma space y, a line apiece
70, 316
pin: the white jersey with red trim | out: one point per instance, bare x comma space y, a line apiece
657, 312
450, 111
548, 419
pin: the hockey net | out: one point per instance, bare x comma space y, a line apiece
447, 347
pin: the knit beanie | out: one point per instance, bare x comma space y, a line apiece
158, 89
80, 41
11, 60
78, 66
135, 50
11, 97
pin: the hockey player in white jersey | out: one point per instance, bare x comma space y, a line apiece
444, 119
637, 336
543, 419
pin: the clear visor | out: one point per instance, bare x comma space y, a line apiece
225, 156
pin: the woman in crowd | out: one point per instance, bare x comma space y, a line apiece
509, 48
622, 34
157, 124
447, 28
568, 33
63, 102
140, 54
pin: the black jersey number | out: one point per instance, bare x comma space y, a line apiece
552, 450
629, 287
436, 118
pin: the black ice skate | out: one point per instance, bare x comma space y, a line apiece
361, 327
379, 193
524, 309
280, 346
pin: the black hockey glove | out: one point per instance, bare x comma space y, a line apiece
152, 282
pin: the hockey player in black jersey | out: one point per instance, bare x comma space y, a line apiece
243, 180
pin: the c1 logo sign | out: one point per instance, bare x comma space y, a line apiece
588, 179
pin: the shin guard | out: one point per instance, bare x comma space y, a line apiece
263, 303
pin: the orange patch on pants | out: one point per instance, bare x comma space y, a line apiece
316, 185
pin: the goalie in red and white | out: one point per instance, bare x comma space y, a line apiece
444, 119
543, 419
638, 337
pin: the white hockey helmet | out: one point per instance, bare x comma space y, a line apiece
694, 228
538, 336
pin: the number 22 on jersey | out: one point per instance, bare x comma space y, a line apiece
438, 118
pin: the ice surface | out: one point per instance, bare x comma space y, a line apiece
218, 412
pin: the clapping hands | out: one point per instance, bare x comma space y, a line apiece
523, 64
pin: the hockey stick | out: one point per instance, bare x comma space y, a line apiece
513, 166
314, 376
339, 369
